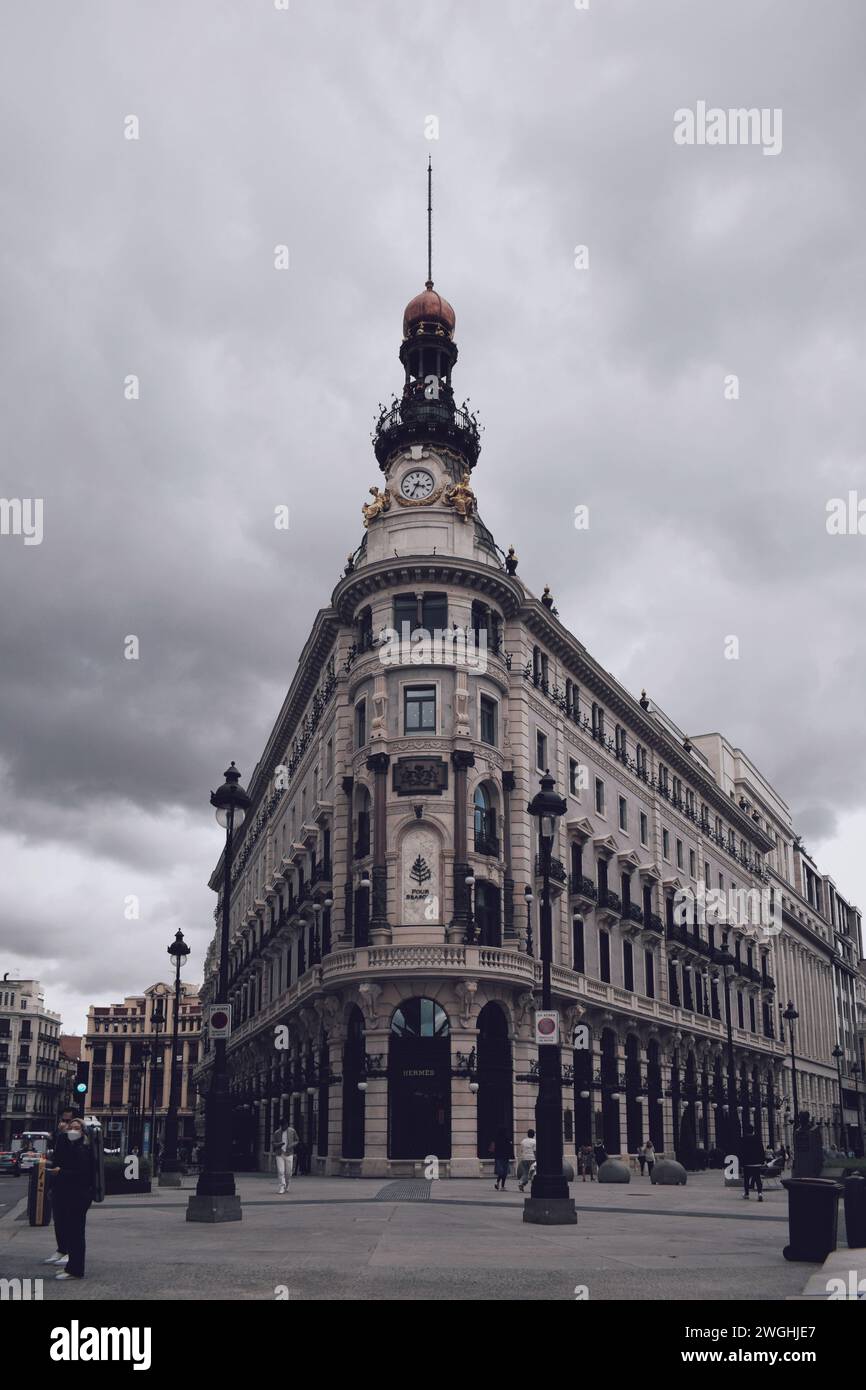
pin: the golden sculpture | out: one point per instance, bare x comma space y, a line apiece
381, 502
461, 497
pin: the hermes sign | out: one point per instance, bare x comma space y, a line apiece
414, 775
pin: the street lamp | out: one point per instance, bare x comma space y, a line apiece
550, 1204
157, 1019
790, 1015
469, 880
838, 1054
855, 1072
726, 961
169, 1175
215, 1198
527, 894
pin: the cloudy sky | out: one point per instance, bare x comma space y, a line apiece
305, 125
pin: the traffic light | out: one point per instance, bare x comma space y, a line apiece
82, 1081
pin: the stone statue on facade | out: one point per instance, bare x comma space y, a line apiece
381, 503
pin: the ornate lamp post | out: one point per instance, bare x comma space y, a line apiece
470, 906
550, 1204
790, 1015
855, 1072
157, 1019
170, 1171
215, 1198
838, 1054
726, 961
527, 895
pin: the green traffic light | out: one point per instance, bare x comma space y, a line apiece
81, 1088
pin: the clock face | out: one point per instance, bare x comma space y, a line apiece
417, 484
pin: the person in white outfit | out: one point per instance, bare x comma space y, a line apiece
283, 1145
527, 1158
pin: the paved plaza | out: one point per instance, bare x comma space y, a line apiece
332, 1238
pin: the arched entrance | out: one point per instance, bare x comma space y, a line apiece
609, 1089
655, 1099
353, 1099
495, 1089
419, 1081
633, 1108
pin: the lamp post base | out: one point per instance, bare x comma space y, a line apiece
550, 1211
214, 1209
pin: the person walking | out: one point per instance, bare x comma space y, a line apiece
503, 1152
284, 1141
72, 1192
751, 1157
61, 1254
648, 1157
527, 1158
586, 1162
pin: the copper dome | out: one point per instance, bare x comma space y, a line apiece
428, 306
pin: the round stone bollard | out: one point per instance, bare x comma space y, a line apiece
567, 1170
614, 1170
669, 1173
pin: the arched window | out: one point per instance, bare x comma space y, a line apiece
420, 1018
485, 823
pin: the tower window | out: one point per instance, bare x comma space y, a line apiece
540, 750
488, 720
419, 709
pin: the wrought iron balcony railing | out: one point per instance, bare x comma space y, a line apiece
414, 421
581, 887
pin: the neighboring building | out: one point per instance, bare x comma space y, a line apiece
69, 1057
29, 1060
129, 1055
392, 776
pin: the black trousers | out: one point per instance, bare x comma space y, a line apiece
70, 1215
752, 1178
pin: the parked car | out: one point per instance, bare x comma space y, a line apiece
27, 1159
9, 1165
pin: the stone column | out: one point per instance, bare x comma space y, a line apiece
510, 933
462, 759
375, 1161
380, 931
464, 1109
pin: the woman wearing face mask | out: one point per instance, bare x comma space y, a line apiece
72, 1193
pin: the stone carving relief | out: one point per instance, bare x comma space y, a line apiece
420, 877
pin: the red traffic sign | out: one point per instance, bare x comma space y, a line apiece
220, 1020
547, 1026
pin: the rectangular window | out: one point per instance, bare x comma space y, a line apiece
573, 774
644, 828
663, 779
740, 1008
598, 723
419, 709
650, 973
604, 956
693, 863
488, 720
679, 854
627, 965
599, 796
360, 723
666, 844
623, 813
752, 1013
540, 750
577, 960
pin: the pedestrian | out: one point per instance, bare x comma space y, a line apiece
527, 1158
61, 1254
503, 1152
648, 1157
284, 1141
751, 1155
600, 1154
72, 1191
586, 1162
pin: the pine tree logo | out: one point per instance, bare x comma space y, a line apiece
420, 871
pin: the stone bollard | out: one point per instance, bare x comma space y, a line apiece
668, 1173
614, 1170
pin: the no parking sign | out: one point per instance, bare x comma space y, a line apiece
546, 1026
220, 1020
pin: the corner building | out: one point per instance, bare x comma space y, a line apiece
386, 888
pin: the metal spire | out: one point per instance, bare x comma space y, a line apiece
429, 223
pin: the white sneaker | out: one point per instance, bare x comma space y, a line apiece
64, 1275
55, 1259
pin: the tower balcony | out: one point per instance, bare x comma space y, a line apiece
425, 421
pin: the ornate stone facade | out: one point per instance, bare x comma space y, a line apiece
385, 905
